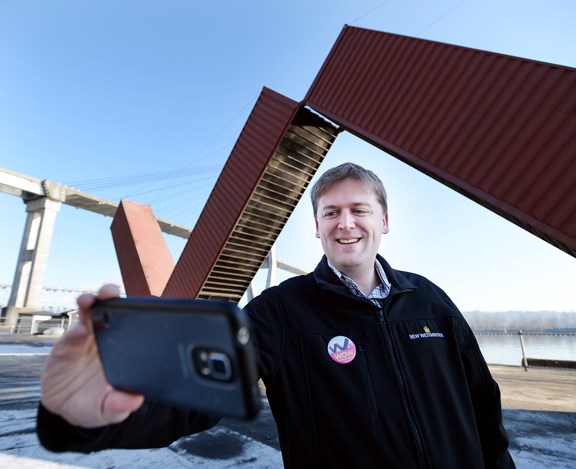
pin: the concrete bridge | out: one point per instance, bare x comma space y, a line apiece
43, 199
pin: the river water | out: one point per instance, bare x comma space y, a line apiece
504, 349
498, 349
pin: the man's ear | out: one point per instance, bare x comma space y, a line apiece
385, 227
317, 232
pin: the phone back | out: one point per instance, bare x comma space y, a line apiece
193, 354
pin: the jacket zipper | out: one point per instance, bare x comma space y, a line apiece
385, 328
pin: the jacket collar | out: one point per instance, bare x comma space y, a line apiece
323, 274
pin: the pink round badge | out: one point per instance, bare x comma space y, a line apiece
341, 349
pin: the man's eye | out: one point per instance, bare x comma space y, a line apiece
329, 214
361, 211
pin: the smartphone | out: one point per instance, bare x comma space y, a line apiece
193, 354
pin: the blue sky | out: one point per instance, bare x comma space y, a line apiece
145, 99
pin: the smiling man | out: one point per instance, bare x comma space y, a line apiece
364, 365
351, 217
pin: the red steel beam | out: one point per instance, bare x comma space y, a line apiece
144, 258
501, 130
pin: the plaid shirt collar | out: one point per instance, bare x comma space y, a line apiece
379, 293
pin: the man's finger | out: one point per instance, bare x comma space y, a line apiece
86, 300
119, 404
108, 291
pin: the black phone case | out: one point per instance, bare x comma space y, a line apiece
193, 354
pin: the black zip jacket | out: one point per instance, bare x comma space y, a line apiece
417, 393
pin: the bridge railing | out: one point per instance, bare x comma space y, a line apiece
38, 323
533, 348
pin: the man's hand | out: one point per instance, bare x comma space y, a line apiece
73, 382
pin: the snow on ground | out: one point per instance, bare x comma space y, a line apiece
20, 449
541, 439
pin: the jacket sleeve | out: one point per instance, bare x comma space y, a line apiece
485, 395
151, 426
267, 319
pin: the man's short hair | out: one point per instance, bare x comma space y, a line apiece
345, 171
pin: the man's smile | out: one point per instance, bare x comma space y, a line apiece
348, 240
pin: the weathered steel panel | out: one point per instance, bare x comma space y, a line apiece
256, 192
499, 129
144, 258
286, 176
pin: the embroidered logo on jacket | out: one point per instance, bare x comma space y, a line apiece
426, 334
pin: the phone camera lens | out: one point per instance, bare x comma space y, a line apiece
220, 366
212, 365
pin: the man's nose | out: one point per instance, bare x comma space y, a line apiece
346, 220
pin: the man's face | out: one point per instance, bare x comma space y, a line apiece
350, 223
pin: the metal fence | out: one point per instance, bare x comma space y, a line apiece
547, 349
38, 323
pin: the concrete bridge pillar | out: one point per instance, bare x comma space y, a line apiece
33, 257
272, 264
